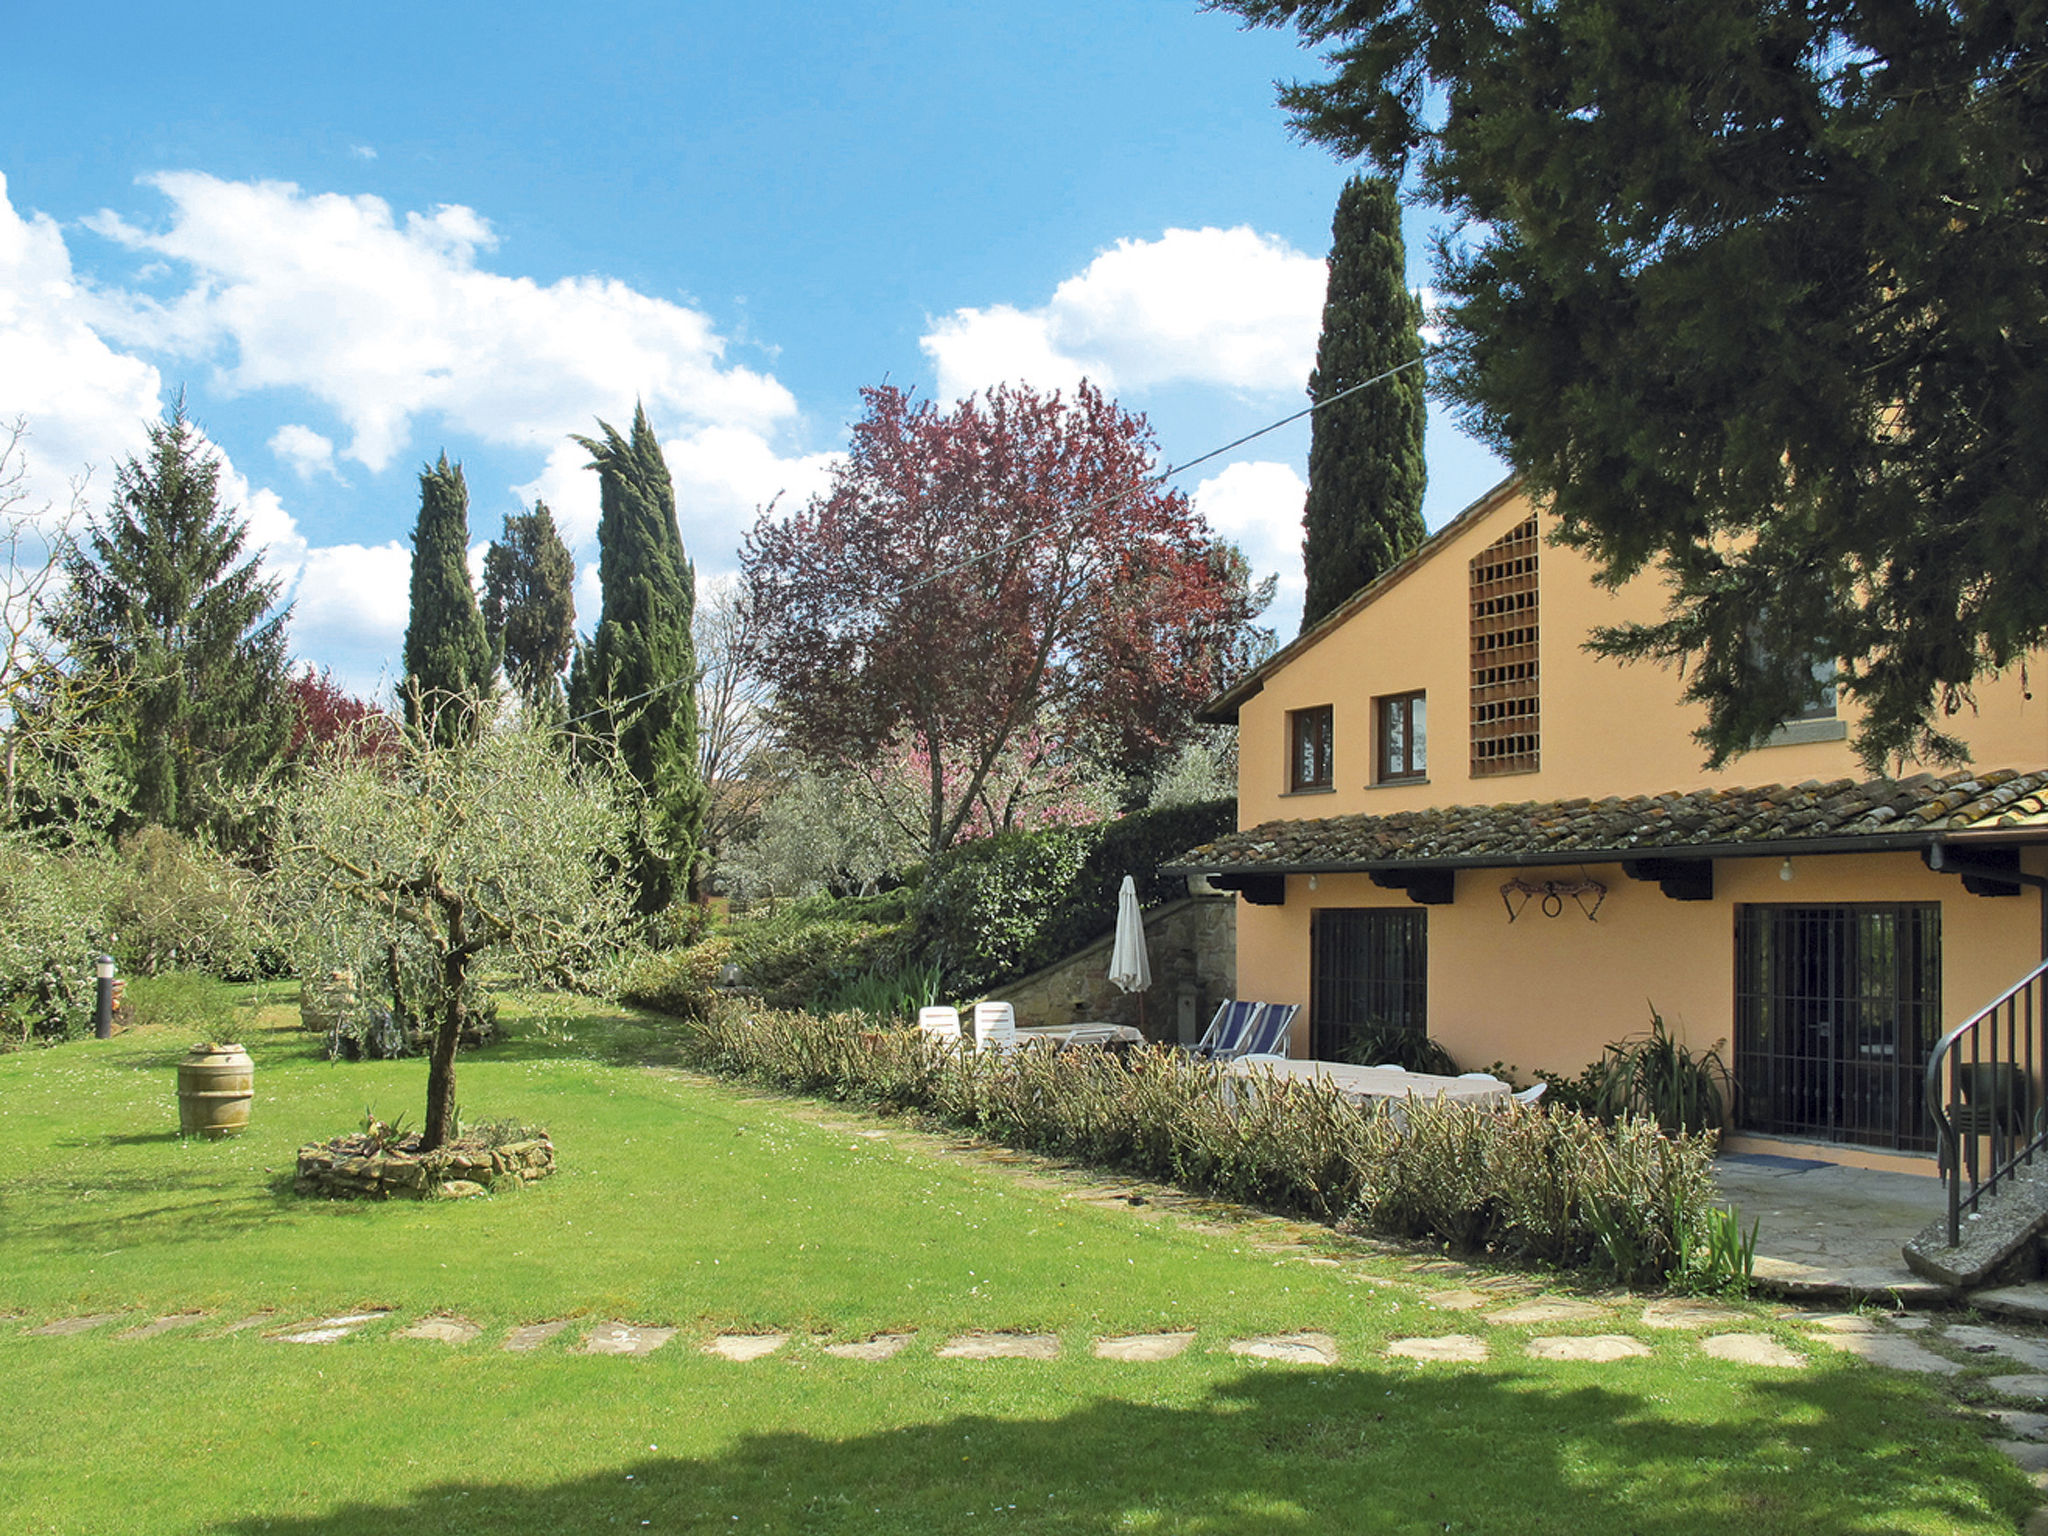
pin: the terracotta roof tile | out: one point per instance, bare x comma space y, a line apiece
1675, 821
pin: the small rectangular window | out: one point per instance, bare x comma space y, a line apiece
1309, 749
1404, 738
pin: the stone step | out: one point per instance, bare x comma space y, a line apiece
2028, 1302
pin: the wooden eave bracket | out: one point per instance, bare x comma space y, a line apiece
1679, 879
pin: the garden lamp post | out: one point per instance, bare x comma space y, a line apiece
103, 1015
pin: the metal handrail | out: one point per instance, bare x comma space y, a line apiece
1983, 1083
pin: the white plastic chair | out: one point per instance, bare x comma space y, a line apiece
941, 1025
995, 1026
1390, 1066
1531, 1095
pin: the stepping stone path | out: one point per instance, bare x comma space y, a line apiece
330, 1330
66, 1327
165, 1324
883, 1346
1458, 1348
1459, 1301
1599, 1348
530, 1336
1143, 1346
624, 1339
1294, 1348
253, 1320
442, 1330
745, 1346
1001, 1346
1751, 1349
1555, 1310
2032, 1353
1685, 1312
1889, 1350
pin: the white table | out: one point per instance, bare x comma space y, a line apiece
1366, 1083
1060, 1036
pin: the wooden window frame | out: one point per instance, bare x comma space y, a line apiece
1322, 754
1414, 765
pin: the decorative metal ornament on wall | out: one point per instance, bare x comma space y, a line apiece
1550, 895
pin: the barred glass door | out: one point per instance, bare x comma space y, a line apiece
1369, 972
1836, 1009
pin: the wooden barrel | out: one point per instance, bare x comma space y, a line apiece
216, 1085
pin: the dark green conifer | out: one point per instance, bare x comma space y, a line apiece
529, 605
447, 658
636, 679
1365, 465
161, 601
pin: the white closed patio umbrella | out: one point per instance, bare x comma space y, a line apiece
1129, 966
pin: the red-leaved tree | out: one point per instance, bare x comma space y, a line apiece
330, 718
1006, 567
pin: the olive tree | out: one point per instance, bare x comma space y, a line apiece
437, 858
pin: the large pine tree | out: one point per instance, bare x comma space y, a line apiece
529, 605
447, 658
1365, 467
161, 600
636, 679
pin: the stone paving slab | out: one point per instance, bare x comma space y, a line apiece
70, 1327
2032, 1384
1829, 1230
530, 1336
1143, 1346
1890, 1350
1457, 1348
1975, 1340
1555, 1309
1689, 1312
1751, 1349
745, 1346
883, 1346
253, 1320
1598, 1348
330, 1330
168, 1323
1842, 1322
2020, 1423
441, 1330
2028, 1455
1466, 1300
1001, 1346
1291, 1348
615, 1338
2029, 1303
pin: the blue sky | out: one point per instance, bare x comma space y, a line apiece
362, 235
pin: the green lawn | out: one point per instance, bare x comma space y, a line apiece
705, 1207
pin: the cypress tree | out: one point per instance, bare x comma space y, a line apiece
529, 605
160, 598
636, 679
1365, 466
447, 658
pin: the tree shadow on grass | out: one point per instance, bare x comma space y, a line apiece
1293, 1451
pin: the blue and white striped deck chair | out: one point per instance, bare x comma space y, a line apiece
1268, 1034
1224, 1037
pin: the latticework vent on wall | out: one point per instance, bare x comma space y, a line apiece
1507, 732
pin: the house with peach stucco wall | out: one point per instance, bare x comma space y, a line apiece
1455, 819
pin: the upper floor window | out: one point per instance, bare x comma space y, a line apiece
1308, 748
1404, 737
1507, 735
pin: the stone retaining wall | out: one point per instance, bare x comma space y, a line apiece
1192, 945
341, 1171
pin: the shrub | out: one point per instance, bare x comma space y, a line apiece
1655, 1076
175, 904
1387, 1045
682, 982
184, 1000
798, 958
50, 915
1552, 1188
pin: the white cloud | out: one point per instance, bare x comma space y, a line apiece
388, 321
306, 451
84, 403
362, 151
1228, 307
1257, 506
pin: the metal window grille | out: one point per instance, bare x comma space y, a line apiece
1369, 972
1836, 1009
1507, 725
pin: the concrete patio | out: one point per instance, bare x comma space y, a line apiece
1830, 1231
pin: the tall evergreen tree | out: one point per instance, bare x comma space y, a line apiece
1365, 467
447, 658
529, 605
636, 679
160, 596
